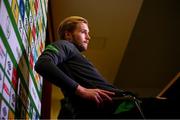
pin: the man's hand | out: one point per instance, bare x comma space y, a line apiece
97, 95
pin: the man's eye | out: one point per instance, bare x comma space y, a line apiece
83, 31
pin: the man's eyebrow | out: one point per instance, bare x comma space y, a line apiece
82, 29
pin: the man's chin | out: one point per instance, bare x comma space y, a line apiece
83, 49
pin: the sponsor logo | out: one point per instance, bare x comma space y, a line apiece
15, 10
6, 89
9, 67
2, 54
8, 28
22, 9
34, 32
14, 78
36, 6
12, 99
4, 111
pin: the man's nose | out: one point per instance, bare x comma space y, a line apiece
88, 37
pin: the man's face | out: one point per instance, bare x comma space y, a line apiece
80, 36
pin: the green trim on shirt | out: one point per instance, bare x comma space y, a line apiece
52, 48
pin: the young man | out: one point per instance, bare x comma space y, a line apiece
87, 94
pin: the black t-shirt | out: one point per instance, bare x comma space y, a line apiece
65, 66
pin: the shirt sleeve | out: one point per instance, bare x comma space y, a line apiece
47, 67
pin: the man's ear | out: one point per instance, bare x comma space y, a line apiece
68, 35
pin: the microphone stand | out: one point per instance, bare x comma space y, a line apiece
137, 103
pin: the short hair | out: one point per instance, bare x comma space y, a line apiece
69, 24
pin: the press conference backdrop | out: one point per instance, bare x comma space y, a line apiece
22, 39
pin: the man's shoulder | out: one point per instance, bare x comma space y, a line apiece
65, 46
61, 42
64, 43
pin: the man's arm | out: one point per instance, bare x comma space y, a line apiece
46, 66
